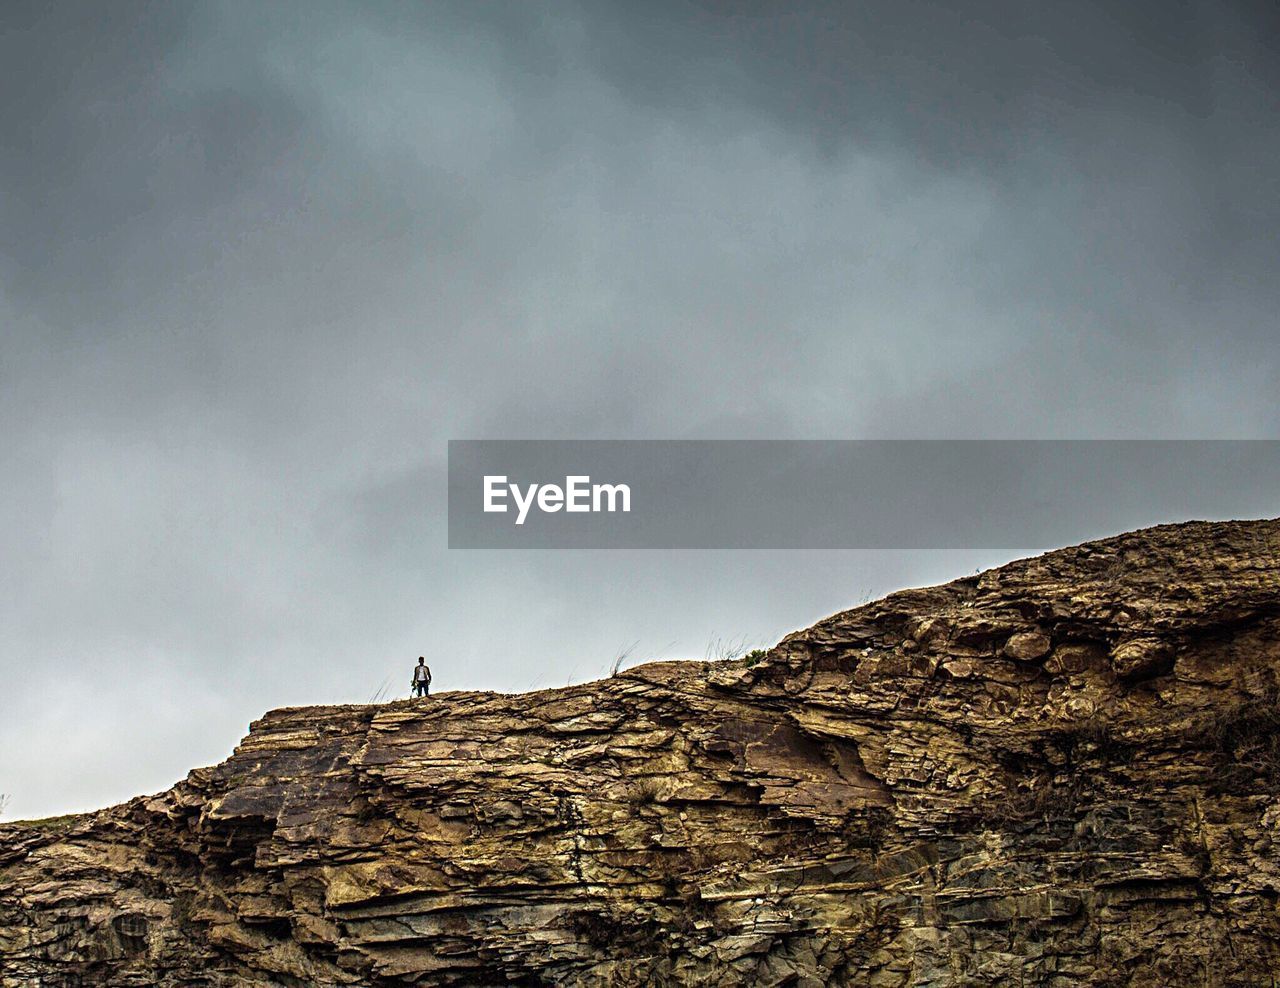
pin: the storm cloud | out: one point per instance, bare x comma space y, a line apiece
259, 262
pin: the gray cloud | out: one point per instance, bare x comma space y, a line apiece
260, 262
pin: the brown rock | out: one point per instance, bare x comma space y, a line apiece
850, 813
1027, 646
1141, 656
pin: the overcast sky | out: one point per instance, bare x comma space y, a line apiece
258, 262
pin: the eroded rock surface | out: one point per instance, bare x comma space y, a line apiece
1065, 771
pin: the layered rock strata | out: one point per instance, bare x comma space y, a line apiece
1061, 772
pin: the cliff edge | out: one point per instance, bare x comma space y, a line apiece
1064, 771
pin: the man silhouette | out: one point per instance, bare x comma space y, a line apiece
421, 682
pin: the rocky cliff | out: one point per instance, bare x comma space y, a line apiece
1065, 771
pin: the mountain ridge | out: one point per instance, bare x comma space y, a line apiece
1061, 771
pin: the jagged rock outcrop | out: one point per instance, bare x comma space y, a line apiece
1065, 771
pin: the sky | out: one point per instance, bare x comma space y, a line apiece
258, 263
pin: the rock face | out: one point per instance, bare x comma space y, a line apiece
1065, 771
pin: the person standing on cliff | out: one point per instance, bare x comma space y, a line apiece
421, 682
